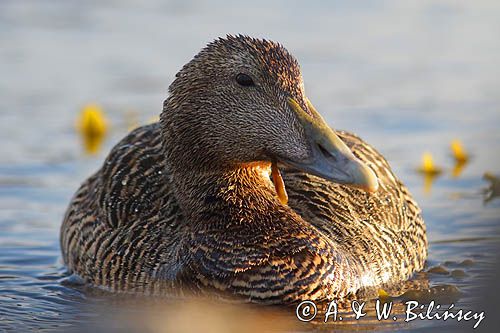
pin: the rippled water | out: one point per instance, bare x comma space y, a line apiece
406, 76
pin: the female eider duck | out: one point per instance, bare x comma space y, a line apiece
196, 203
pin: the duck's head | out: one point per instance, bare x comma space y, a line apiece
241, 100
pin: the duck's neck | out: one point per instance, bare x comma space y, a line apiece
203, 180
238, 192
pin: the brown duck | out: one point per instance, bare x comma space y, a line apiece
196, 203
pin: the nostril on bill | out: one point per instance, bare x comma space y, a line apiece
326, 153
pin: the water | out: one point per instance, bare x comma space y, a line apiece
407, 76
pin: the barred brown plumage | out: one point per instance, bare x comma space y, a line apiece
187, 205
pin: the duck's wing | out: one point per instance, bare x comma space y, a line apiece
117, 222
385, 230
134, 183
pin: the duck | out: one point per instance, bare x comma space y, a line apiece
242, 191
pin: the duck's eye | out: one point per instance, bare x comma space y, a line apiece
244, 80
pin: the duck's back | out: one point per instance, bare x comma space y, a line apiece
124, 225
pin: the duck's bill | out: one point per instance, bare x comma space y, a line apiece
331, 159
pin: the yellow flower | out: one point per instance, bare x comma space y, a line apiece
92, 126
428, 166
429, 170
458, 151
92, 121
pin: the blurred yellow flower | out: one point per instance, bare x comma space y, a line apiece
429, 170
92, 126
428, 166
458, 151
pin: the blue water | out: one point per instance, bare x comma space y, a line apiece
407, 76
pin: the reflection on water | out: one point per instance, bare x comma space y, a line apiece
428, 181
458, 168
406, 76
